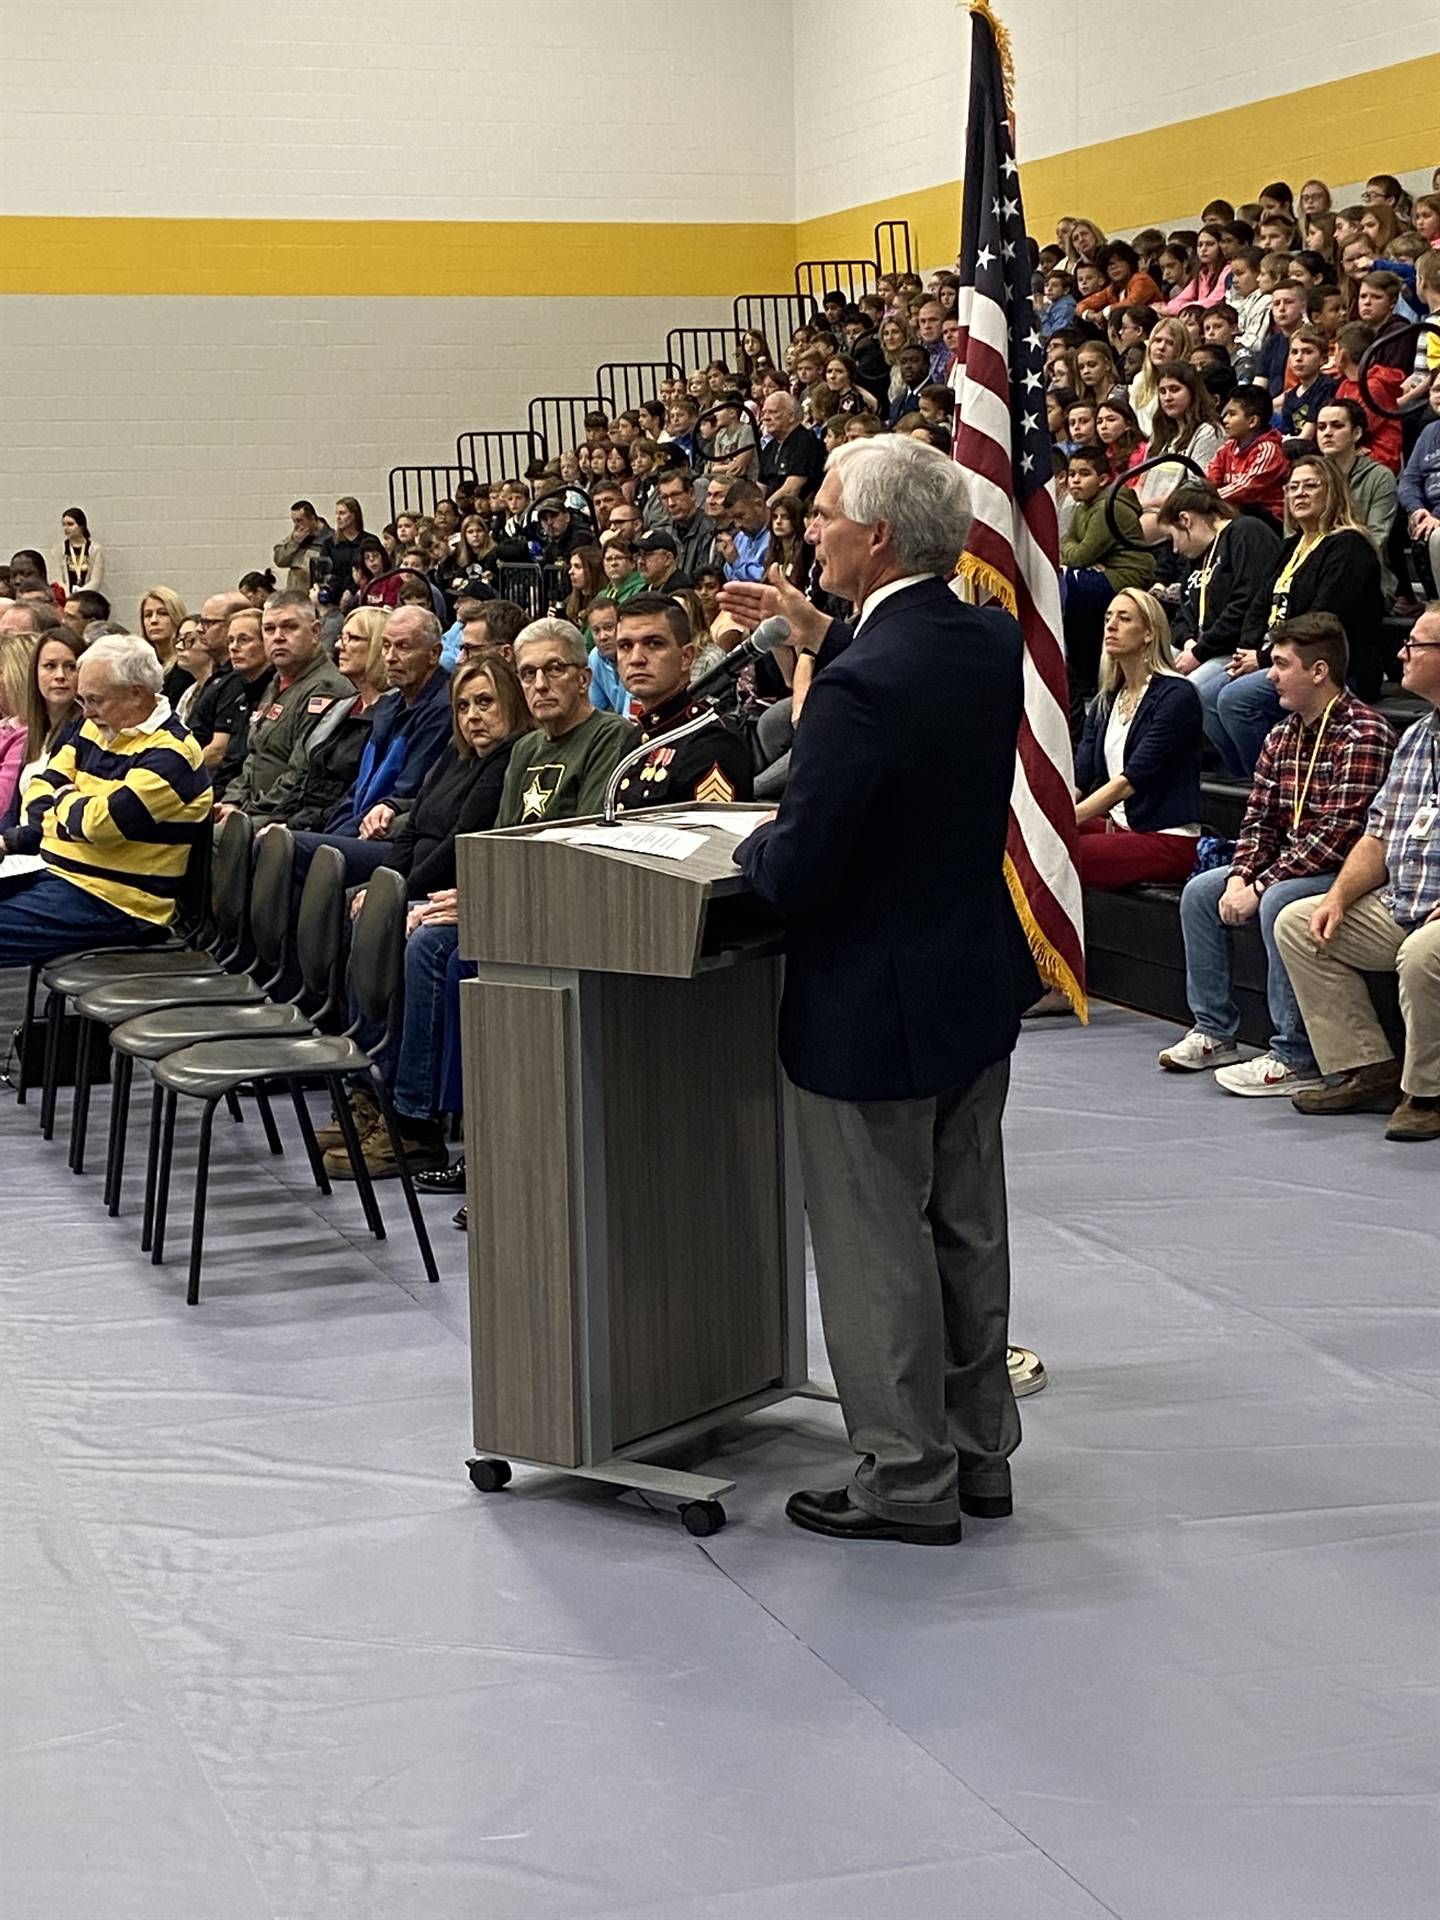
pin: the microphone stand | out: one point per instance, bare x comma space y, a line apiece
695, 724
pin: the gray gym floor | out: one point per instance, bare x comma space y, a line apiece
266, 1653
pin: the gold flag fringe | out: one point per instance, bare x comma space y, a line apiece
1053, 968
1002, 47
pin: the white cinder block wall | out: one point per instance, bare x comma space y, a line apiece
185, 425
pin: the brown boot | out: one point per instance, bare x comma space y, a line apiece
421, 1141
1415, 1119
1372, 1089
366, 1112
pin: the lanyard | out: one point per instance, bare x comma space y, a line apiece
1302, 792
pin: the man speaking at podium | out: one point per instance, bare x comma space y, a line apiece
906, 974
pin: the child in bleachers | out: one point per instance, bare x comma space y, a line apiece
1312, 388
1095, 565
1080, 424
1250, 301
1325, 309
1057, 303
1382, 434
1119, 433
1287, 314
1249, 469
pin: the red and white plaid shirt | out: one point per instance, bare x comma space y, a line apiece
1350, 768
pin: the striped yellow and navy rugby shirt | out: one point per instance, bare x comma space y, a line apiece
118, 817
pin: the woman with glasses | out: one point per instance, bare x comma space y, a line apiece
1328, 564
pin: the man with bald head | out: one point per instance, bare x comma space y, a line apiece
220, 709
791, 458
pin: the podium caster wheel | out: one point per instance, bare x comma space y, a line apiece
489, 1475
702, 1517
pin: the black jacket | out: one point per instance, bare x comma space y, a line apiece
1244, 568
1162, 755
458, 796
1342, 576
321, 771
907, 968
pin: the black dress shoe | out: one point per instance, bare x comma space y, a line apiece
442, 1179
987, 1506
837, 1515
462, 1218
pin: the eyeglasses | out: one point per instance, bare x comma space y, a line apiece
546, 670
1417, 646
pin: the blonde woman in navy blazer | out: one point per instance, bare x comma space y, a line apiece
1137, 768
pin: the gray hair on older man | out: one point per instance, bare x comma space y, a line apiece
131, 662
567, 637
919, 493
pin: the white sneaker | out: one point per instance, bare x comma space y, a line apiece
1265, 1075
1198, 1053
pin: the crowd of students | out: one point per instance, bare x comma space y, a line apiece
1225, 474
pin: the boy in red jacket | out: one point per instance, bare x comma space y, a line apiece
1249, 467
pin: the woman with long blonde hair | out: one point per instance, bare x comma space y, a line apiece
1137, 767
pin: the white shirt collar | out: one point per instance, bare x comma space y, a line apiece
882, 594
152, 722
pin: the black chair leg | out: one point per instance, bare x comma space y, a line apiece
162, 1183
202, 1184
267, 1121
307, 1134
54, 1020
80, 1105
358, 1166
234, 1108
26, 1032
152, 1162
121, 1078
412, 1201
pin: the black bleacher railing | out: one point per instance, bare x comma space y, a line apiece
416, 489
816, 278
775, 315
531, 586
892, 247
695, 347
623, 384
558, 419
498, 455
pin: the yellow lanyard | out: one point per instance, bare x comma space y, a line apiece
1207, 567
1302, 792
1287, 573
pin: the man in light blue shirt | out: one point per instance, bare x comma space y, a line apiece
744, 544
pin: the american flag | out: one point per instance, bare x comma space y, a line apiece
1003, 443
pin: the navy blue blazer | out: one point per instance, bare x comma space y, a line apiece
1162, 755
907, 968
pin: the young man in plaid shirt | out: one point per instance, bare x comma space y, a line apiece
1318, 772
1382, 912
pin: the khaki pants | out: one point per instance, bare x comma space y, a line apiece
1335, 1001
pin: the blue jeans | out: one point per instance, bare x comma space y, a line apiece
361, 857
419, 1058
1209, 954
1244, 712
1207, 679
42, 919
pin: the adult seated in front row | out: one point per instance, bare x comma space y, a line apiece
1318, 773
1381, 914
1137, 768
1327, 565
556, 771
119, 807
307, 683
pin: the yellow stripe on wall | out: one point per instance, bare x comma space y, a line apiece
474, 259
1341, 130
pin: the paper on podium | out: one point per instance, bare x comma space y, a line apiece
665, 843
741, 822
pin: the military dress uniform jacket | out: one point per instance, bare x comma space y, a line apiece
714, 765
284, 716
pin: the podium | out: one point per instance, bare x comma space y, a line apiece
637, 1259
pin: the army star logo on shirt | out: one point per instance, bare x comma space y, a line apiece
544, 785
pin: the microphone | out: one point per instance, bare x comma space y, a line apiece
770, 634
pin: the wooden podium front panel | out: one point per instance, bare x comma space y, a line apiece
696, 1253
521, 1164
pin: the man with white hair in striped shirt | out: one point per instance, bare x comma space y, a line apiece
114, 815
